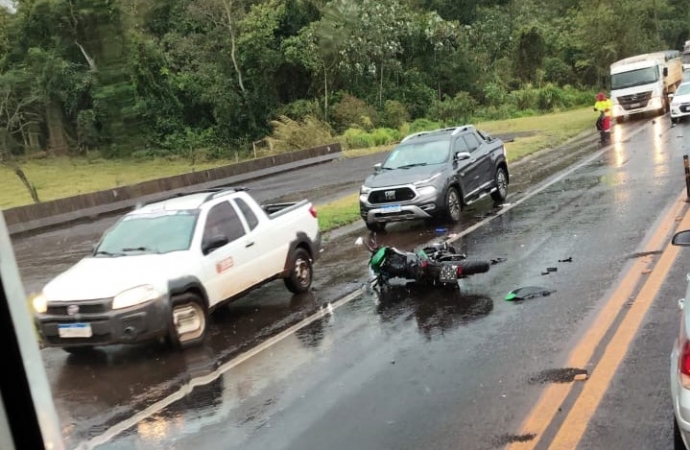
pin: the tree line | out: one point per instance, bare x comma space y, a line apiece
154, 77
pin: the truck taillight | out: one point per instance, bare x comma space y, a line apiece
312, 211
684, 364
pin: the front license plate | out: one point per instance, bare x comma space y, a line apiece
635, 105
449, 274
74, 330
391, 209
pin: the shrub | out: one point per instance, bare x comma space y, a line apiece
289, 134
358, 138
385, 136
454, 111
300, 109
394, 114
352, 111
423, 125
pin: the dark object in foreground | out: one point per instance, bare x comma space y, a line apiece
528, 292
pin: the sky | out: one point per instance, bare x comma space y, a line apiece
7, 4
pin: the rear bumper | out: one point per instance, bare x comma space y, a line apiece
124, 326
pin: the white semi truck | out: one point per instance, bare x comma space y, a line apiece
642, 83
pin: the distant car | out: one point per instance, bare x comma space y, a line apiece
680, 364
680, 105
435, 174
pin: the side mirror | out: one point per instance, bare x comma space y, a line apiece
377, 167
215, 243
459, 156
665, 71
681, 239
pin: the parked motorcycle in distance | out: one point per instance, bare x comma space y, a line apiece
435, 265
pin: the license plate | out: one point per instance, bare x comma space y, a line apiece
685, 108
449, 274
635, 105
391, 208
74, 330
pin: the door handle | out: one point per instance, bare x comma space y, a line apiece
249, 244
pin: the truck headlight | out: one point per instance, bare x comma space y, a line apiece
40, 304
135, 296
364, 190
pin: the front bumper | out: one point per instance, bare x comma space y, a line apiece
138, 323
677, 111
654, 104
423, 206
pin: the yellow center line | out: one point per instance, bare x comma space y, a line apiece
578, 418
553, 396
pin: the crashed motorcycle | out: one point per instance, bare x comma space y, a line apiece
439, 264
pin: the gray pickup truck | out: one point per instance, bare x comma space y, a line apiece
435, 174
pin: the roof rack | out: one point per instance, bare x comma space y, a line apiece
414, 135
213, 192
460, 129
219, 192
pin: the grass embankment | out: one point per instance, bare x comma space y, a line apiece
63, 177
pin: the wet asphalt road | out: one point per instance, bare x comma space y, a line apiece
414, 369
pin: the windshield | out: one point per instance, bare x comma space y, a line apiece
418, 154
149, 233
684, 89
632, 78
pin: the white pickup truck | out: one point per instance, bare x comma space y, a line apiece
164, 267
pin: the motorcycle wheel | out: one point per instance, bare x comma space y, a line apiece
474, 267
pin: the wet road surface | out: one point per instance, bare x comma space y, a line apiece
414, 369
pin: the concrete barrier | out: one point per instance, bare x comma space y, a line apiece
45, 215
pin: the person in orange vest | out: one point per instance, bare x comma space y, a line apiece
604, 106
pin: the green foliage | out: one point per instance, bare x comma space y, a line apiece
423, 125
351, 111
358, 138
454, 111
289, 134
157, 77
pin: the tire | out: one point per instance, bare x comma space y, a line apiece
674, 120
501, 180
187, 307
453, 205
376, 226
678, 443
301, 272
473, 267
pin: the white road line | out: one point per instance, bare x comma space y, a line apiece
158, 406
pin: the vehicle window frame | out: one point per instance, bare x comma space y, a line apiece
470, 149
251, 220
230, 236
461, 141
